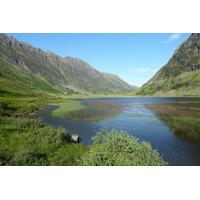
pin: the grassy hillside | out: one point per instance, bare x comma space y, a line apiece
51, 73
186, 84
180, 76
17, 80
80, 76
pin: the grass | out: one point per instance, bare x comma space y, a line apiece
16, 79
20, 106
92, 115
65, 107
12, 89
187, 128
91, 96
29, 142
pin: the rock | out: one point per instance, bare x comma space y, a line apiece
75, 138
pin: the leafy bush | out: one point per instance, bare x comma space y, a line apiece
114, 148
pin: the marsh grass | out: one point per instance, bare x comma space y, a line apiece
184, 127
20, 107
92, 115
65, 107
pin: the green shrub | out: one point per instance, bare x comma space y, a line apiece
114, 148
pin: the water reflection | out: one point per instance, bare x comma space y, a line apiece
94, 112
139, 117
92, 115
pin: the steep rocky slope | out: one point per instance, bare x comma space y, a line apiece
181, 75
57, 73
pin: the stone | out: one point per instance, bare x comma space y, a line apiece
75, 138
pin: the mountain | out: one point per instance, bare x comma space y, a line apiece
26, 69
181, 75
134, 87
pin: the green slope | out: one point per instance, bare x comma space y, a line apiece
51, 73
186, 84
80, 76
181, 75
15, 80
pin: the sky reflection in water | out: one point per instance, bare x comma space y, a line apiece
137, 116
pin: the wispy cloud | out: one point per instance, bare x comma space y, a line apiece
172, 37
143, 70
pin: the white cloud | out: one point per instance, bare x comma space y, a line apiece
143, 70
172, 37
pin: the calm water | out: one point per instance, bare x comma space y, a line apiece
137, 116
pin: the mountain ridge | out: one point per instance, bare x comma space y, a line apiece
68, 74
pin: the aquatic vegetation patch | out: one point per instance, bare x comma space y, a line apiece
74, 110
188, 111
65, 107
92, 115
187, 128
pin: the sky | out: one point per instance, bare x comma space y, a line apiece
134, 57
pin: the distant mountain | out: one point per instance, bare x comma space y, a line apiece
134, 87
181, 75
36, 71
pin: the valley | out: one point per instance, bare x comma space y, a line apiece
46, 98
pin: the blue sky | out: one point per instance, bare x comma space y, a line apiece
134, 57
